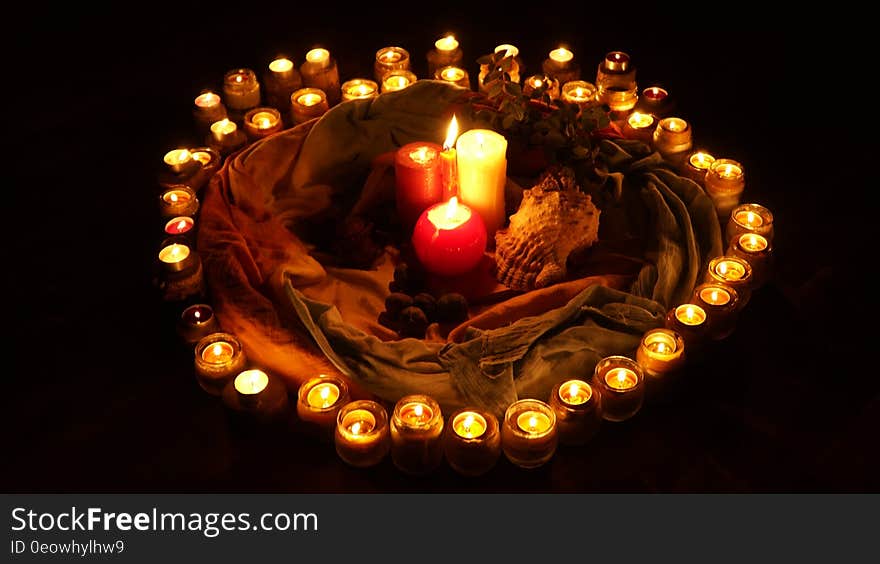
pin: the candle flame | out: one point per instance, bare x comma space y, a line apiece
561, 55
753, 241
714, 296
480, 141
325, 393
181, 225
621, 376
466, 424
750, 217
661, 347
356, 428
448, 43
722, 268
451, 207
418, 410
217, 350
173, 198
197, 314
573, 390
533, 423
689, 313
238, 78
451, 134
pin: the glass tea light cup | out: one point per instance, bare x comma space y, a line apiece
390, 59
472, 442
256, 396
182, 277
749, 218
219, 357
197, 322
178, 200
673, 139
208, 108
721, 304
362, 435
319, 70
319, 400
725, 182
446, 53
561, 66
734, 272
226, 137
654, 100
453, 75
416, 434
308, 103
281, 80
757, 251
580, 92
639, 126
179, 226
180, 162
528, 435
578, 411
241, 92
209, 162
398, 80
691, 322
261, 122
359, 89
621, 383
661, 355
696, 165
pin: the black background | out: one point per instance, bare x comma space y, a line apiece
100, 396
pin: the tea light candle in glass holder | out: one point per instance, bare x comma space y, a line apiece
756, 250
256, 396
218, 359
750, 218
359, 89
208, 108
538, 84
720, 302
516, 67
209, 162
179, 200
661, 356
308, 103
262, 122
320, 71
560, 65
639, 126
621, 383
319, 400
578, 411
398, 80
281, 80
446, 53
416, 434
689, 321
579, 92
226, 137
528, 433
472, 443
616, 83
196, 322
179, 226
180, 162
241, 90
655, 101
725, 182
696, 166
390, 59
454, 75
673, 139
362, 436
734, 272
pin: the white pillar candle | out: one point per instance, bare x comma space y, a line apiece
482, 174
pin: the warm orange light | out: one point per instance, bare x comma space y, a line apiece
561, 55
318, 56
448, 43
282, 64
451, 134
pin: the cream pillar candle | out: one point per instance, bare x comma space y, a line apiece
482, 174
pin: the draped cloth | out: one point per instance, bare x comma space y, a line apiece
298, 316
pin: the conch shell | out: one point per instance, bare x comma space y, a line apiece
554, 219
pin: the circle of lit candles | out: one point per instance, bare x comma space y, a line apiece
621, 383
218, 357
241, 89
697, 165
177, 258
390, 59
472, 442
196, 322
756, 250
528, 433
416, 434
180, 225
453, 75
578, 411
362, 436
207, 108
319, 70
449, 238
721, 304
397, 80
734, 272
308, 103
256, 396
262, 122
319, 400
690, 321
673, 139
661, 355
639, 126
725, 182
359, 89
180, 161
542, 84
177, 201
750, 218
579, 92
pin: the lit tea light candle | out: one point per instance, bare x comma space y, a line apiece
528, 435
180, 225
449, 238
538, 84
639, 126
207, 108
750, 218
250, 383
281, 80
454, 75
719, 301
673, 139
320, 71
733, 272
561, 55
697, 165
180, 162
725, 182
397, 80
482, 175
281, 68
320, 399
196, 322
473, 442
560, 66
177, 257
362, 435
218, 356
178, 201
616, 82
620, 381
446, 44
255, 396
262, 122
390, 59
755, 249
446, 53
359, 89
654, 100
416, 434
418, 178
579, 92
226, 137
209, 161
308, 103
578, 414
661, 355
689, 321
241, 90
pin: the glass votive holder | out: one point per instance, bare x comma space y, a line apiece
696, 166
756, 250
538, 84
398, 80
241, 92
180, 163
262, 122
178, 200
281, 80
580, 92
561, 66
209, 160
362, 435
655, 100
180, 226
390, 59
616, 71
319, 70
639, 126
226, 137
528, 434
621, 383
307, 103
472, 442
673, 139
454, 75
720, 302
181, 277
734, 272
219, 357
691, 322
725, 182
446, 53
359, 89
207, 108
416, 434
578, 411
319, 400
749, 218
661, 355
197, 322
255, 396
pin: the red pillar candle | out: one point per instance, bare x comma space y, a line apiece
449, 238
418, 179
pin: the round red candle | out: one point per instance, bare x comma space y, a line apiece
449, 238
418, 179
179, 225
